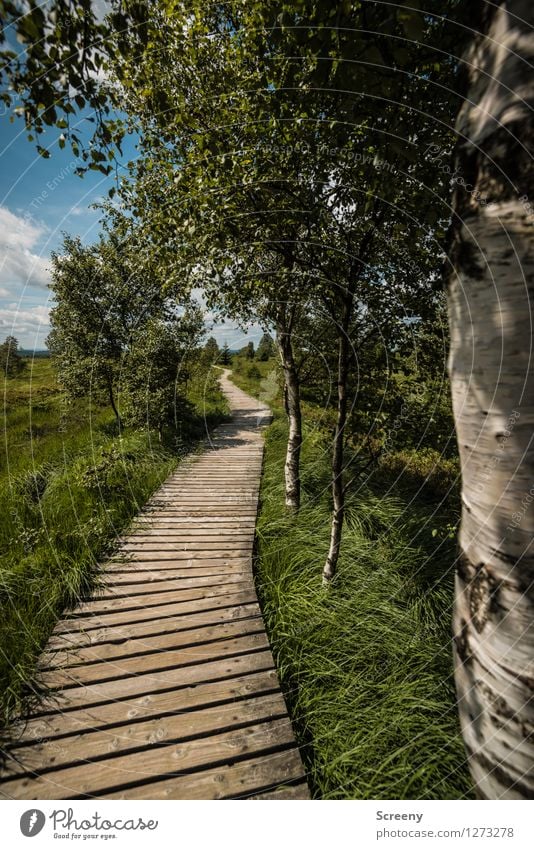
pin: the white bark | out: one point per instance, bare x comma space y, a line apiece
491, 365
338, 448
294, 414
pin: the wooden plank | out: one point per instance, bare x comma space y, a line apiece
229, 478
105, 671
144, 543
180, 526
209, 493
213, 476
135, 768
226, 782
119, 634
183, 532
207, 499
220, 491
211, 556
163, 611
117, 690
242, 506
203, 495
95, 743
199, 513
171, 584
147, 644
154, 574
116, 714
204, 566
212, 523
181, 561
107, 603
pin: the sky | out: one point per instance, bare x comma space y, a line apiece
40, 199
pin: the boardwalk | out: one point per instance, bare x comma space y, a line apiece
163, 686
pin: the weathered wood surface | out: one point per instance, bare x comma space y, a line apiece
162, 685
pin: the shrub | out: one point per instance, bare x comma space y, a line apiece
424, 467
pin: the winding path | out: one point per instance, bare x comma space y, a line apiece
162, 686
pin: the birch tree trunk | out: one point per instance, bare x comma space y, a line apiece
491, 366
294, 413
338, 448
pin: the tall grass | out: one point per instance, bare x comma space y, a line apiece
366, 664
69, 484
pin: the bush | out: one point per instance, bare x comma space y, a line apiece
425, 468
253, 372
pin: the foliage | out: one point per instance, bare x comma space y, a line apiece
266, 348
260, 378
104, 295
11, 362
425, 469
155, 370
211, 352
58, 72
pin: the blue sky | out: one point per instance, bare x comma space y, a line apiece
39, 200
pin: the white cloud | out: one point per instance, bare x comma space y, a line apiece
30, 325
19, 265
29, 319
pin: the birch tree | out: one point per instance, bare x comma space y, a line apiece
490, 295
102, 294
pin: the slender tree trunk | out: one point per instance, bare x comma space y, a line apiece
338, 448
286, 399
113, 405
294, 413
491, 366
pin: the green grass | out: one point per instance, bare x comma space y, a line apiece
366, 664
69, 485
256, 377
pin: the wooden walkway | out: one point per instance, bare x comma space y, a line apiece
163, 685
